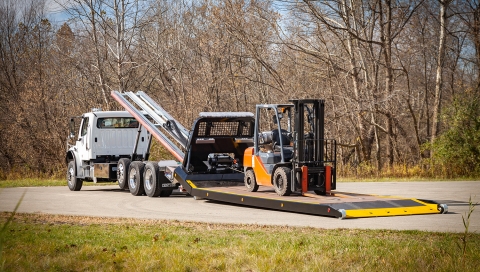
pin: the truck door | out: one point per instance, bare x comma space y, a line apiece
83, 141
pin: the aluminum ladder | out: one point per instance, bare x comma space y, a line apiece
156, 120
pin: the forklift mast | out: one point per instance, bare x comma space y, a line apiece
313, 167
309, 141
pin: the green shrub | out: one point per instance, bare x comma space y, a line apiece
457, 150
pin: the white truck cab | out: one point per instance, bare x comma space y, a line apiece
104, 139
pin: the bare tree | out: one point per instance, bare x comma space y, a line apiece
113, 28
437, 103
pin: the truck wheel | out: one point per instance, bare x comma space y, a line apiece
135, 178
122, 173
74, 183
282, 181
150, 180
250, 181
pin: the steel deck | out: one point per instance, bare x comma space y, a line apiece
339, 204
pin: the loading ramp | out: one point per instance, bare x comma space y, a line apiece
339, 204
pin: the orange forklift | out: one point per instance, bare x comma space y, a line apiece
290, 151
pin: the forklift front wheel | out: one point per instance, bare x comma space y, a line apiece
282, 181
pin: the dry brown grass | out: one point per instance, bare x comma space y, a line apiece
71, 243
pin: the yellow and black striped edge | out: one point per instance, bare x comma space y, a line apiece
390, 206
407, 209
191, 184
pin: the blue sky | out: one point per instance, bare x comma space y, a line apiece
55, 11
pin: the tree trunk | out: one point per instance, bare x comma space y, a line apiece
354, 75
440, 61
101, 75
386, 29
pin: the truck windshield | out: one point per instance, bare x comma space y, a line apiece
117, 122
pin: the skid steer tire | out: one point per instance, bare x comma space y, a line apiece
250, 181
122, 173
135, 178
151, 181
282, 181
74, 183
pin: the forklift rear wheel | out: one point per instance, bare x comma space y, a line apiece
282, 181
150, 180
135, 178
250, 181
122, 173
74, 183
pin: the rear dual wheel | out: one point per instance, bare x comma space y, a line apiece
150, 180
135, 178
145, 179
122, 173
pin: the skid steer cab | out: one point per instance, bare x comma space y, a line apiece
290, 151
110, 146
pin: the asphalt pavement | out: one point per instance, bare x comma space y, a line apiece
110, 201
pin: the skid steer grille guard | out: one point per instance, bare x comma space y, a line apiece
224, 129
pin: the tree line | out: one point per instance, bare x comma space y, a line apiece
397, 75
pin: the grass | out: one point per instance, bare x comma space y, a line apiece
63, 243
402, 179
33, 182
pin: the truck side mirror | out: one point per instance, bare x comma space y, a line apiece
72, 128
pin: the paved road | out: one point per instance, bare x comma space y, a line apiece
109, 201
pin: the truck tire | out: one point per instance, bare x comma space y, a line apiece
122, 173
282, 181
135, 178
74, 183
151, 181
250, 181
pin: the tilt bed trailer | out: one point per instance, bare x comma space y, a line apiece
219, 154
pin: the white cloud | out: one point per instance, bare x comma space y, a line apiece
55, 10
